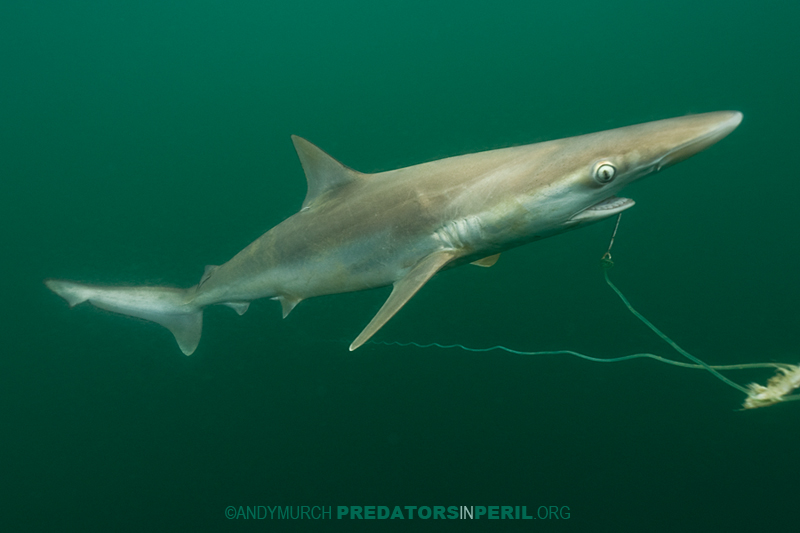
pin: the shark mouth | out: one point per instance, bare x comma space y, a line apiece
606, 208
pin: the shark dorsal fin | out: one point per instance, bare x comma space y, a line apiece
323, 172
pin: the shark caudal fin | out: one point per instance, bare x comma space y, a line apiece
172, 308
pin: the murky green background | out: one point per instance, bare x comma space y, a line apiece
142, 140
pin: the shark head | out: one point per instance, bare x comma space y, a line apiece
595, 167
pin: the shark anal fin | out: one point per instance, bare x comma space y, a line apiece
403, 290
239, 307
487, 261
323, 173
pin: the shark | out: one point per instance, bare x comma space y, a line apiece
357, 231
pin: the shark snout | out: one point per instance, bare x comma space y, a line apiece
732, 120
695, 133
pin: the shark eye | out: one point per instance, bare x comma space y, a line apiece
604, 172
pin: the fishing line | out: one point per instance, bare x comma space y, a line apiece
607, 264
786, 379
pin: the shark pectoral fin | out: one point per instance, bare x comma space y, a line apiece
239, 307
287, 303
403, 290
486, 261
323, 173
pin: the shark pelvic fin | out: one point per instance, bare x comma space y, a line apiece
403, 290
323, 173
486, 261
287, 303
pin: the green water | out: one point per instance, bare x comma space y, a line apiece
143, 140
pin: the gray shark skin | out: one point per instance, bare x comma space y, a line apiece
359, 231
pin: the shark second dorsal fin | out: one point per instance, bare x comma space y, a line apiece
403, 290
323, 173
207, 274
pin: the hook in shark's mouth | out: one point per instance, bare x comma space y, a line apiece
606, 208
